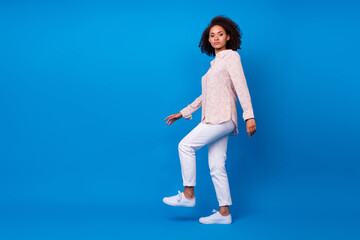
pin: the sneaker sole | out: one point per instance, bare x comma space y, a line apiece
178, 205
215, 222
220, 222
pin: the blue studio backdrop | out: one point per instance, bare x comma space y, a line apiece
85, 87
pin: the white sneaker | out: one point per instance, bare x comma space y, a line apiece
216, 218
179, 200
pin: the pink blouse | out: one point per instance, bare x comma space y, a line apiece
223, 81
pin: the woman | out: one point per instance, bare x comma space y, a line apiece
224, 80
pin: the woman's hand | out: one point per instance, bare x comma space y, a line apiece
250, 126
172, 118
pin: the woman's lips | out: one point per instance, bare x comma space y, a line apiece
216, 43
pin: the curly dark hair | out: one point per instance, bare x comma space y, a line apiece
230, 28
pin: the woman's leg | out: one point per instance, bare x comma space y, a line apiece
217, 158
201, 135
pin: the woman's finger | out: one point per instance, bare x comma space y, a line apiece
251, 131
168, 117
171, 118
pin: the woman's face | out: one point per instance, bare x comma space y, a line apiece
218, 37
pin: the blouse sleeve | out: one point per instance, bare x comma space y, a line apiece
192, 107
236, 72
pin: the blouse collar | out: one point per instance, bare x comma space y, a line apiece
221, 54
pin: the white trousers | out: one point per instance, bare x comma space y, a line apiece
216, 136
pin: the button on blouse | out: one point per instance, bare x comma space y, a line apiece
223, 81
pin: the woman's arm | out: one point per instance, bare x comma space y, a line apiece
192, 107
237, 76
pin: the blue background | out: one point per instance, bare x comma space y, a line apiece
85, 151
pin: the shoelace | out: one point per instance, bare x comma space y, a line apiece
179, 196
